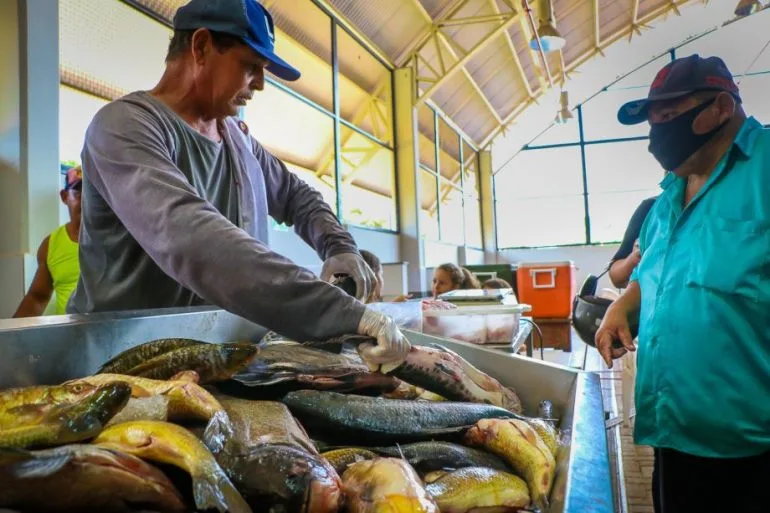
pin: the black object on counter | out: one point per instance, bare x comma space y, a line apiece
588, 311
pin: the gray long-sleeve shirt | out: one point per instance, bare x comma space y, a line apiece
155, 232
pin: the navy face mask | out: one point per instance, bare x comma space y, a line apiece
673, 142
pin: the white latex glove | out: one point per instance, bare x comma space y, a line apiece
392, 346
354, 266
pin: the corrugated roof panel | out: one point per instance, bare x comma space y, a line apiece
435, 7
576, 20
496, 53
525, 54
494, 71
469, 35
475, 125
454, 95
510, 98
164, 8
614, 15
647, 6
392, 25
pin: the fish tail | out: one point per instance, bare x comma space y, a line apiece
213, 490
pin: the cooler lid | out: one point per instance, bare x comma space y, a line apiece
479, 310
523, 265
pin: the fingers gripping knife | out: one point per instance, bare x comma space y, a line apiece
588, 311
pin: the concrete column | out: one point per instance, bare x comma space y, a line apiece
412, 245
29, 140
487, 206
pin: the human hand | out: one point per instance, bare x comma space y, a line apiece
402, 298
636, 253
391, 348
353, 265
613, 339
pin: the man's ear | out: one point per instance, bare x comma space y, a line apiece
199, 45
718, 113
726, 105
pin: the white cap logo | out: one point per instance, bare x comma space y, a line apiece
269, 30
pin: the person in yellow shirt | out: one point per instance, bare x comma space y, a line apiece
58, 268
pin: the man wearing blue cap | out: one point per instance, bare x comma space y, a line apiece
702, 289
177, 194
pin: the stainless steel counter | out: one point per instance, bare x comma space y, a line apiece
49, 350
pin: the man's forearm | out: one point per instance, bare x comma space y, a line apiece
31, 306
630, 301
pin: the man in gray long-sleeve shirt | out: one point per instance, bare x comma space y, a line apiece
176, 196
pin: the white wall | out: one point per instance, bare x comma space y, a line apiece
385, 245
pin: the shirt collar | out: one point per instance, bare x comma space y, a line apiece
746, 138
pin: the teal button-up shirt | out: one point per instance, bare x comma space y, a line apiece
703, 368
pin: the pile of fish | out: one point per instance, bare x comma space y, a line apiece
182, 425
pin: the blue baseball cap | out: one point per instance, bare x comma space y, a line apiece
246, 19
679, 78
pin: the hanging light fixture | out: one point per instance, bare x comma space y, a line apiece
746, 7
564, 114
547, 34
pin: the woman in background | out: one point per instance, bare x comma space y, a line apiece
496, 283
448, 277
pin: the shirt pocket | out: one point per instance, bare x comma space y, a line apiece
731, 257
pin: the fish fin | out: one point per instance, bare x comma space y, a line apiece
400, 452
387, 368
439, 347
189, 376
214, 490
40, 466
217, 432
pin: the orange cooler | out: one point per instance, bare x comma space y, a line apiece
548, 286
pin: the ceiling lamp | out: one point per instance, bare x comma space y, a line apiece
547, 33
564, 114
746, 7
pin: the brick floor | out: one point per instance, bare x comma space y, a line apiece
637, 467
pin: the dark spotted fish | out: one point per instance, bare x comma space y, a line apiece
379, 420
130, 358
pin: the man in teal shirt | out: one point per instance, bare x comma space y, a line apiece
702, 290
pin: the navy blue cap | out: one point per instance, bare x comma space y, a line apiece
679, 78
246, 19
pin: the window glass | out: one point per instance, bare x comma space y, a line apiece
738, 44
541, 173
449, 158
428, 212
76, 110
366, 95
473, 236
427, 136
298, 134
540, 222
452, 213
471, 171
368, 178
754, 93
100, 49
611, 212
305, 42
560, 133
622, 167
600, 115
